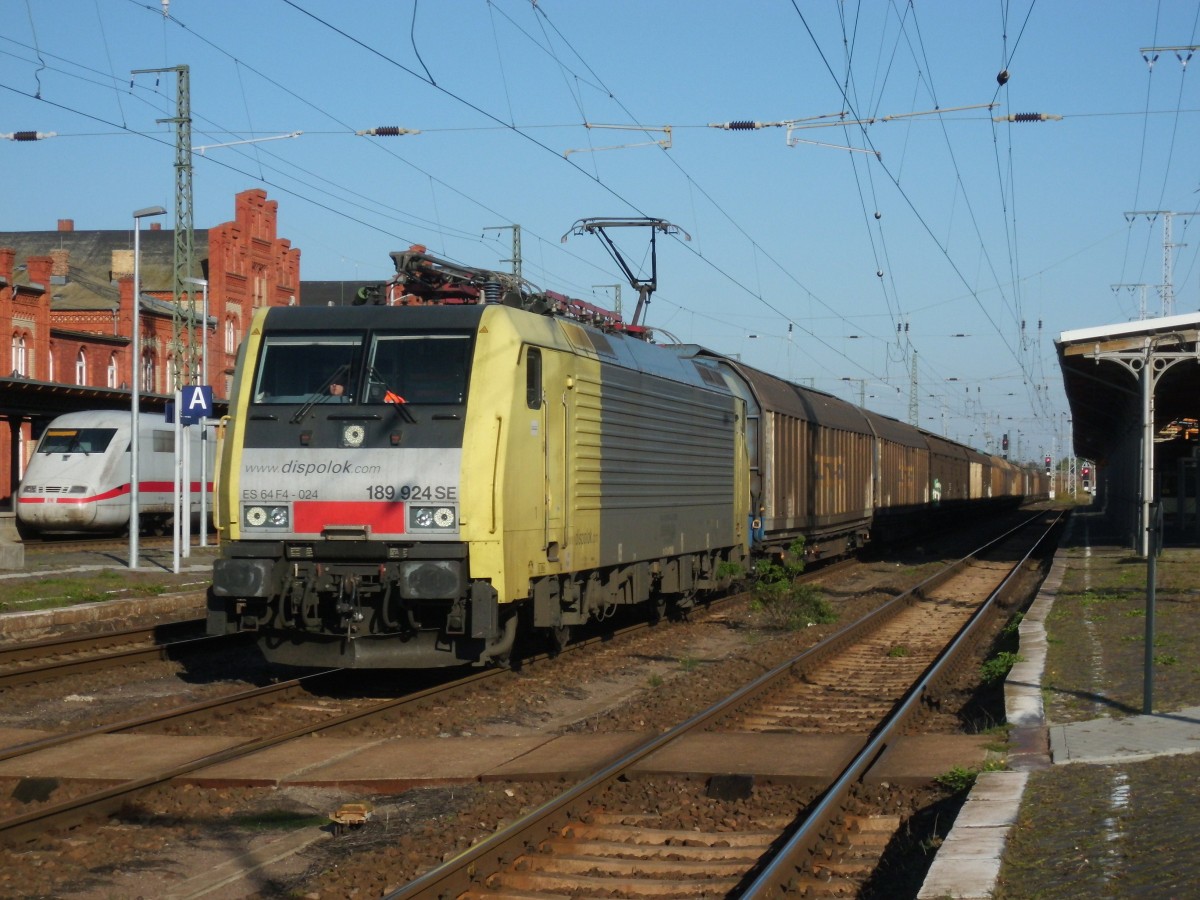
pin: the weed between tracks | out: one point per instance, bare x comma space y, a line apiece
57, 591
779, 603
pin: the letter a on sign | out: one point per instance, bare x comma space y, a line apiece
197, 401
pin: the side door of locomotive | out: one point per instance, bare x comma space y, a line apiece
546, 403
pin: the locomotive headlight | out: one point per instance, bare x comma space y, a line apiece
266, 517
436, 517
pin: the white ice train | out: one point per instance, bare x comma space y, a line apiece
78, 479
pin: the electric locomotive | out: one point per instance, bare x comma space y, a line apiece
410, 481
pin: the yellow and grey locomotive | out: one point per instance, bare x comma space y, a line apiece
408, 481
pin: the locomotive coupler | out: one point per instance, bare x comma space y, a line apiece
347, 603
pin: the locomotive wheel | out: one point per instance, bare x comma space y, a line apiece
559, 638
658, 609
681, 605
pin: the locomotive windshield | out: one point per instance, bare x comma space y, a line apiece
400, 368
76, 440
418, 368
304, 369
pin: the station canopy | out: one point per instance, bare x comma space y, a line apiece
1106, 397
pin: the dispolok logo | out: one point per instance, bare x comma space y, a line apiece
322, 467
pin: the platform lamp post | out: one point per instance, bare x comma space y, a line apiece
203, 283
136, 374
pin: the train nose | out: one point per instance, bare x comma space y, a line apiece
56, 507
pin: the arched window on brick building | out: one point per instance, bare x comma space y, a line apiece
20, 363
148, 386
230, 335
111, 378
81, 367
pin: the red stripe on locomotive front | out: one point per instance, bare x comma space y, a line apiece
311, 516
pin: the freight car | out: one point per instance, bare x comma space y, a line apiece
77, 481
413, 480
838, 476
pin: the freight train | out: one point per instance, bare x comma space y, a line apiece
77, 481
413, 481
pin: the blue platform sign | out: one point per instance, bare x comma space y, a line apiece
196, 403
197, 400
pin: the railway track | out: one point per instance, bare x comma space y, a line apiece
37, 661
98, 543
37, 821
284, 712
596, 841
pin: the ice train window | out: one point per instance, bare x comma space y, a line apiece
76, 440
427, 368
303, 369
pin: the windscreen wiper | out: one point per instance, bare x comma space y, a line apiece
319, 393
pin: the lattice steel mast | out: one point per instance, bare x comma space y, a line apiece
186, 369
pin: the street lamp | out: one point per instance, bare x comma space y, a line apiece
135, 393
203, 282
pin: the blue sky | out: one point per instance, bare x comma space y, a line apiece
829, 266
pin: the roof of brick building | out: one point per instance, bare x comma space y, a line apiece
95, 260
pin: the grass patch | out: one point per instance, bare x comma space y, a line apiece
998, 666
962, 778
57, 591
777, 602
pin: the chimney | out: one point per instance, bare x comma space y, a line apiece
61, 265
8, 258
66, 224
121, 265
39, 269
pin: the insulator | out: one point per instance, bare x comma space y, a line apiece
1027, 117
1002, 78
388, 131
492, 291
743, 125
25, 136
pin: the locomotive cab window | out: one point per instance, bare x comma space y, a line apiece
76, 440
419, 369
294, 369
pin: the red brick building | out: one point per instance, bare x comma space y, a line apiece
66, 314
